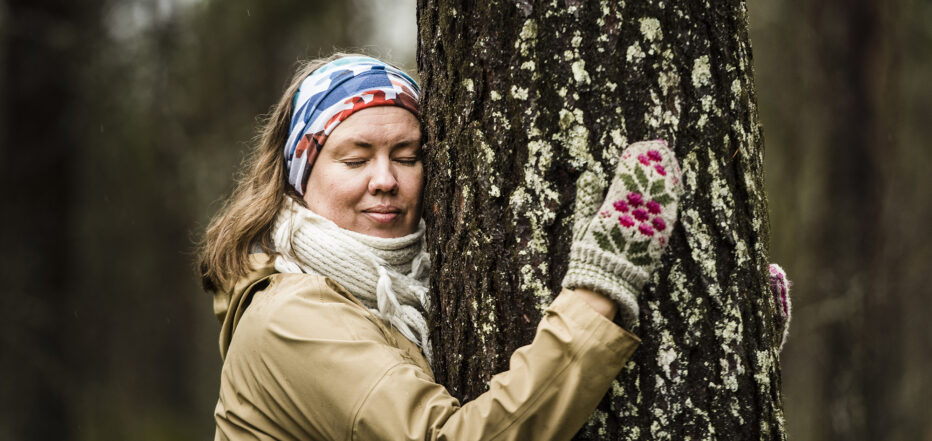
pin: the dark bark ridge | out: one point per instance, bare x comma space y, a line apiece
519, 99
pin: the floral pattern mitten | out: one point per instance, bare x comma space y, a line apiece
615, 252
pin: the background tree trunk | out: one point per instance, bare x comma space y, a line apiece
43, 46
519, 99
858, 269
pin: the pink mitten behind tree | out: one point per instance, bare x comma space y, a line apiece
780, 288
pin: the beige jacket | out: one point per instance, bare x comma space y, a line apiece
304, 360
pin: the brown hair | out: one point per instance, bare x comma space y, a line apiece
247, 216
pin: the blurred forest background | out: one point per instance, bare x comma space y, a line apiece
123, 122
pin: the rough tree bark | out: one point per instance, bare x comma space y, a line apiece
519, 98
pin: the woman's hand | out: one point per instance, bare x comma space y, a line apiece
616, 249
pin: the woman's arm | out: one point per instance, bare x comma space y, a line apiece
548, 392
308, 363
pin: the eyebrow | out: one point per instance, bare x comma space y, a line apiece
360, 143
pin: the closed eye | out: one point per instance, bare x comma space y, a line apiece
354, 164
408, 161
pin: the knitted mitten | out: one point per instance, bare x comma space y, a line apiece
615, 251
780, 288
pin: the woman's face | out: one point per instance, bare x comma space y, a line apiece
368, 177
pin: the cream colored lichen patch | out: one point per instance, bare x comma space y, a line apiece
702, 72
520, 93
634, 53
527, 38
579, 72
650, 28
574, 135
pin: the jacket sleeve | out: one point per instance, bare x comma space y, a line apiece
550, 389
307, 363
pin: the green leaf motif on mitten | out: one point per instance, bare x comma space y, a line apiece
614, 243
641, 260
657, 188
603, 241
638, 253
639, 247
630, 185
618, 238
642, 178
663, 199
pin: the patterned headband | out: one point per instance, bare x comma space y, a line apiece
331, 94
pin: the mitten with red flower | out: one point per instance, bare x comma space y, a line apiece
615, 253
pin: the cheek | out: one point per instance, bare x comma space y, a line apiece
413, 182
345, 193
334, 193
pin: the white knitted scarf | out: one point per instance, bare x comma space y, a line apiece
388, 275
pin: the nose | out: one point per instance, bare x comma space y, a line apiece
383, 178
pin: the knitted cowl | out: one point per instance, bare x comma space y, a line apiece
388, 275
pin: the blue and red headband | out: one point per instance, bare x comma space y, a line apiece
331, 94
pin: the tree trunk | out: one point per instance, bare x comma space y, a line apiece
865, 343
43, 48
519, 99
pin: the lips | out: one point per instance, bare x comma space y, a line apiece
383, 213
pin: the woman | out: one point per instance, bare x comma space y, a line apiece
319, 273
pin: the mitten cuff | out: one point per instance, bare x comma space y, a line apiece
609, 275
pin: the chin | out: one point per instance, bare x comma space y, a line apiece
394, 232
394, 228
375, 230
383, 234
